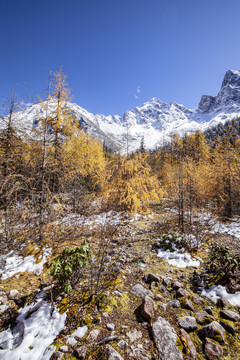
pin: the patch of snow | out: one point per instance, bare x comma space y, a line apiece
233, 228
79, 333
218, 291
110, 217
15, 263
181, 260
37, 327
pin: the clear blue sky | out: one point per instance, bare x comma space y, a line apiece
119, 53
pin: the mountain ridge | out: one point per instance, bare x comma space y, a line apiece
154, 121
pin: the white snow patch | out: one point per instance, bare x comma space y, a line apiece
79, 333
15, 263
218, 291
110, 217
232, 228
178, 259
33, 334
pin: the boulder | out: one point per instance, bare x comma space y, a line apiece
203, 317
149, 278
229, 315
189, 347
213, 331
80, 352
139, 291
165, 338
188, 323
112, 354
212, 350
182, 293
147, 308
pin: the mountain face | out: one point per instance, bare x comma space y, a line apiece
154, 121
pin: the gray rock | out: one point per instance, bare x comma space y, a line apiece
222, 303
188, 345
107, 339
112, 354
166, 281
149, 278
110, 327
212, 350
213, 331
134, 335
80, 352
229, 315
182, 293
177, 285
228, 327
63, 349
163, 307
187, 304
208, 309
140, 291
203, 317
174, 303
93, 335
165, 338
198, 300
122, 344
18, 334
188, 323
147, 308
163, 289
13, 294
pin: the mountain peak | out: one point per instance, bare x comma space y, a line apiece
232, 77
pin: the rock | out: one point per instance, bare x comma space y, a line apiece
229, 315
107, 339
3, 298
149, 278
158, 298
163, 289
182, 293
187, 304
174, 303
213, 331
198, 300
138, 354
93, 335
140, 291
13, 294
63, 349
165, 338
163, 307
122, 344
80, 352
166, 281
18, 334
57, 355
134, 335
188, 345
110, 327
212, 350
208, 309
222, 303
177, 285
228, 327
147, 308
203, 317
112, 354
188, 323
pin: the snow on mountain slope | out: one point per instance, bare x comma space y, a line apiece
154, 121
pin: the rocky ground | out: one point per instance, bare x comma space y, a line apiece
149, 309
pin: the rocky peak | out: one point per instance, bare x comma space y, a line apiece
232, 77
206, 103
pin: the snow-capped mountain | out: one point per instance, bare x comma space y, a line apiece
154, 121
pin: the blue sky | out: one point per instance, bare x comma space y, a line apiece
119, 54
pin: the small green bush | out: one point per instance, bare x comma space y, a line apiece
64, 267
221, 262
173, 241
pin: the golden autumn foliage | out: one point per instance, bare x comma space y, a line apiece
131, 185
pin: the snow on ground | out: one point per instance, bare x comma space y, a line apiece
36, 329
110, 217
218, 291
79, 333
181, 260
15, 263
233, 228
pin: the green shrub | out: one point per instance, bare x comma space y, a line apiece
65, 266
173, 241
221, 262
